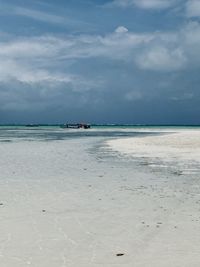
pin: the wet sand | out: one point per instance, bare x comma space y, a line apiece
64, 203
181, 148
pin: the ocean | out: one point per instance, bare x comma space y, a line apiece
48, 133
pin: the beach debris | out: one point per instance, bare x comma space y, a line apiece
1, 204
119, 254
43, 210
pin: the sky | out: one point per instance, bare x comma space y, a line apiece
100, 61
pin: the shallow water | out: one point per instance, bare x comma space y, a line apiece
8, 134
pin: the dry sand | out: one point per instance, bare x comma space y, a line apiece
64, 204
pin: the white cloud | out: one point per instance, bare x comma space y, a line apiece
146, 4
191, 36
172, 51
193, 8
41, 59
73, 47
13, 70
43, 16
121, 29
38, 15
160, 58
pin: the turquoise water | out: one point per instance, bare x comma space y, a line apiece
103, 126
54, 132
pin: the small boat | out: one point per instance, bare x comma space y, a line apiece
76, 126
32, 125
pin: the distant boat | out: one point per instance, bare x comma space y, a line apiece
32, 125
76, 126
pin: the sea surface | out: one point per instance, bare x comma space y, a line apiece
51, 133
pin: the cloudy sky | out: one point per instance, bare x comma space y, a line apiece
100, 61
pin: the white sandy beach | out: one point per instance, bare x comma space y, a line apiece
64, 204
180, 148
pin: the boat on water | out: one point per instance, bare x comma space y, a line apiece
32, 125
76, 126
